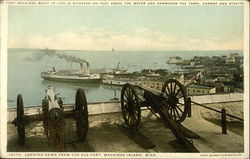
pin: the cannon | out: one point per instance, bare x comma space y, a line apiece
53, 117
171, 105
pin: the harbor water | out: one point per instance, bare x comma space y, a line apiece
24, 75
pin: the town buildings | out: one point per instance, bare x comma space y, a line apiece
157, 84
205, 75
195, 89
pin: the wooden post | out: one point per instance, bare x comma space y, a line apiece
224, 121
189, 107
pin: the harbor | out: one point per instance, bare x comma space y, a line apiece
151, 70
137, 108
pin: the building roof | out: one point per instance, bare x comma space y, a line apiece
199, 86
169, 76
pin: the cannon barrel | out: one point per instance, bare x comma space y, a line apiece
171, 104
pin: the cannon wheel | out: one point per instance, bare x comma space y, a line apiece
131, 109
81, 115
20, 120
45, 105
176, 99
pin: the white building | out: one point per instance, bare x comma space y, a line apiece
230, 60
174, 60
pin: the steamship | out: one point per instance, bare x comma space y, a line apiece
77, 76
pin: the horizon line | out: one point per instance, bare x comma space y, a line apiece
124, 50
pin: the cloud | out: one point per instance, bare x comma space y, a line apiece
141, 38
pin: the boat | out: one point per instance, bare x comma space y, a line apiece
114, 71
121, 82
88, 78
77, 76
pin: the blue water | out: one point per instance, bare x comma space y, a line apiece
24, 76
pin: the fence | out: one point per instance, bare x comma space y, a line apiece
223, 114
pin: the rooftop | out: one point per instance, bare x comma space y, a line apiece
199, 86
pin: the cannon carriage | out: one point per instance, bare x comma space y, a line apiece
172, 100
53, 117
171, 105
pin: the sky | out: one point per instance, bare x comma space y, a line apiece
126, 27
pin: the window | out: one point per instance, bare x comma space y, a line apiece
193, 90
203, 91
188, 90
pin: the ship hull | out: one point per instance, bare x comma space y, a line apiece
73, 80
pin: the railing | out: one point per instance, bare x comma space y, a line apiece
223, 114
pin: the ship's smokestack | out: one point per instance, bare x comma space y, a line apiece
81, 68
88, 67
81, 65
85, 69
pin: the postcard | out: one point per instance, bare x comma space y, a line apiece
124, 79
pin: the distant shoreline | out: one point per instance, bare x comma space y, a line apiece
127, 50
